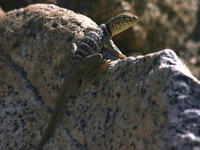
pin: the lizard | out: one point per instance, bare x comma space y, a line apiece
87, 59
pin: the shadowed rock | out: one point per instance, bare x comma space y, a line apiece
144, 102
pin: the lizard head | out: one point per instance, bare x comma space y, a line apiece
120, 23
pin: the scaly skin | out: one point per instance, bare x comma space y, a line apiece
87, 59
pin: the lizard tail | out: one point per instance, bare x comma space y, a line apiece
59, 102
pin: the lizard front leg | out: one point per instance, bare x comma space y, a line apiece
107, 43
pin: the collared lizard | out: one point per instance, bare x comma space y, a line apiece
87, 59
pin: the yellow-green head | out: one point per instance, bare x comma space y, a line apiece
120, 23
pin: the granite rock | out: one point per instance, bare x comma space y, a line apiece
144, 102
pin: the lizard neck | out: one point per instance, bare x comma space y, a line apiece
106, 30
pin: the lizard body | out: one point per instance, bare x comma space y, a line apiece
87, 59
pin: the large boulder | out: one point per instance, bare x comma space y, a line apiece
144, 102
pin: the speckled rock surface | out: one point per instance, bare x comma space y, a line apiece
163, 24
144, 102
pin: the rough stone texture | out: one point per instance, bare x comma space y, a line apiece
33, 48
163, 24
166, 23
144, 102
